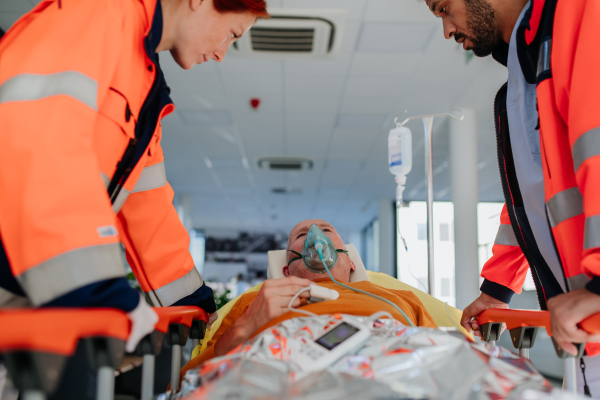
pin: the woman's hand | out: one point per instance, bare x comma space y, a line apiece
271, 302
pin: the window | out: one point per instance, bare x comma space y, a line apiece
412, 265
421, 231
488, 221
197, 249
370, 239
445, 232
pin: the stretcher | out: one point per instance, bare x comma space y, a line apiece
523, 326
38, 342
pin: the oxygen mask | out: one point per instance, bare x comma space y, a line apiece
317, 240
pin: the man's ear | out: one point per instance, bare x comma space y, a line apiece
352, 266
286, 271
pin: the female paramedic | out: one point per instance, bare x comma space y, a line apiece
81, 166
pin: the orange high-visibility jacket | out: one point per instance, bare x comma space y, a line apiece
78, 90
558, 50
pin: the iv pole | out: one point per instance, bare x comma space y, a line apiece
428, 129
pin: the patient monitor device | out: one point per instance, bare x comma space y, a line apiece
337, 340
320, 293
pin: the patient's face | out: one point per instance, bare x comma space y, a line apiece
296, 240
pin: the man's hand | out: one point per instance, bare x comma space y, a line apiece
482, 303
566, 311
271, 302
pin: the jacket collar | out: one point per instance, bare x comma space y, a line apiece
154, 32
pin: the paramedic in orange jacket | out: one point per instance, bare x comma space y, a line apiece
81, 166
549, 162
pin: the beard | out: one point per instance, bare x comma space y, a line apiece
481, 24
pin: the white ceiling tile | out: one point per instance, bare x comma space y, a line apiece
252, 85
369, 104
376, 64
398, 10
313, 84
373, 86
311, 103
333, 65
248, 65
354, 7
405, 37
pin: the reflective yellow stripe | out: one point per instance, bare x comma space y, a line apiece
152, 177
506, 236
585, 147
30, 87
591, 237
71, 270
176, 290
564, 205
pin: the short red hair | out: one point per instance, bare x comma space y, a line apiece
256, 7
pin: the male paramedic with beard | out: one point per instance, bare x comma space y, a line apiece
81, 166
549, 164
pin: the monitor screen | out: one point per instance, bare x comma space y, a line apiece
337, 335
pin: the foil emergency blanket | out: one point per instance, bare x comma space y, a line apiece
396, 362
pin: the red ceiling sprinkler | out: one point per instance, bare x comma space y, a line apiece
255, 103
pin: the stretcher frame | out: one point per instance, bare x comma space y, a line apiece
35, 360
523, 326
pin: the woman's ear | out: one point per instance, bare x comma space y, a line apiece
286, 271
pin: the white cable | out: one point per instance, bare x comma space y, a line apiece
310, 314
319, 248
378, 314
398, 206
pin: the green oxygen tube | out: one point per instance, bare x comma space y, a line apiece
318, 243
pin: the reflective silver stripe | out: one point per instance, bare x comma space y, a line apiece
586, 146
544, 57
152, 177
105, 179
578, 281
506, 236
564, 205
29, 87
120, 200
71, 270
176, 290
591, 236
11, 300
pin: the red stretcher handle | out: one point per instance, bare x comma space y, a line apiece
178, 315
57, 331
519, 318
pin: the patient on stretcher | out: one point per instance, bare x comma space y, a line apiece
256, 311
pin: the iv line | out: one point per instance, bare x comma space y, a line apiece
319, 247
398, 205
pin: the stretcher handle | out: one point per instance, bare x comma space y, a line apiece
520, 318
57, 330
178, 315
516, 318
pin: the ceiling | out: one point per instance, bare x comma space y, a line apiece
336, 111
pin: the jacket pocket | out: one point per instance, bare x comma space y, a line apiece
116, 108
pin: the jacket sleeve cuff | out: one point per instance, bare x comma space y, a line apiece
497, 291
594, 285
111, 293
203, 298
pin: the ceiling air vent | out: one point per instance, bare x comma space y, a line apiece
285, 163
294, 33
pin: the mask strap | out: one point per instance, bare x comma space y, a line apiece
342, 251
295, 258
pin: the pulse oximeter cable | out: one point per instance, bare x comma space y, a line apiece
319, 247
